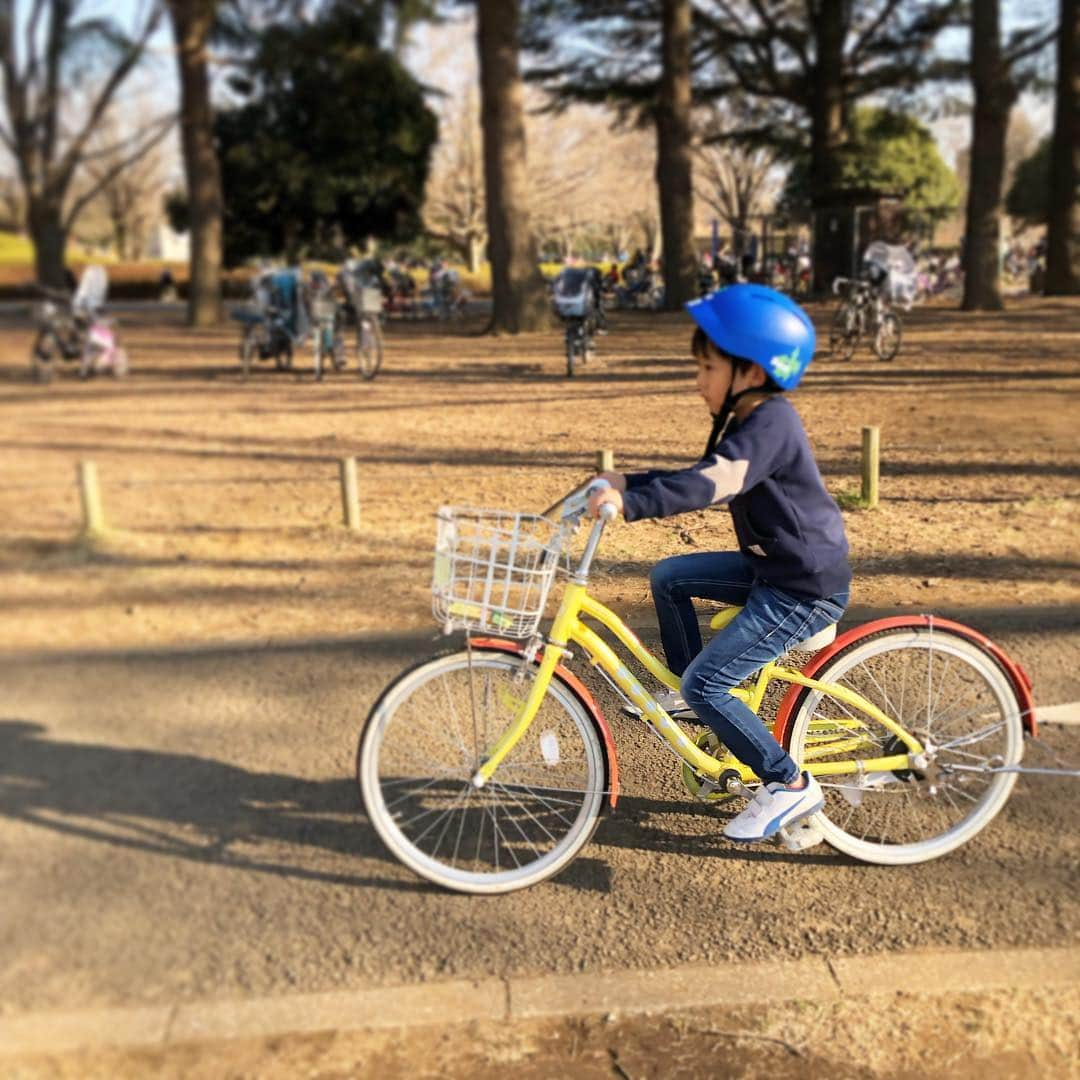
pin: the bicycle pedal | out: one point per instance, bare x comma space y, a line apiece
803, 834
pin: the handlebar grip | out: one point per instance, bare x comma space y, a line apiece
608, 512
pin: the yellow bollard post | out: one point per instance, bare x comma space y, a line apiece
871, 465
350, 493
90, 495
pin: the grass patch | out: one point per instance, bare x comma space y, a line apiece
15, 250
851, 499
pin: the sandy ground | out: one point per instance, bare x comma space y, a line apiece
182, 698
1007, 1035
226, 503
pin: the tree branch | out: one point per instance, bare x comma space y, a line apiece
119, 74
110, 174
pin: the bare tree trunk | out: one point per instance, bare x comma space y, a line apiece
1063, 220
674, 156
49, 237
994, 96
192, 22
518, 292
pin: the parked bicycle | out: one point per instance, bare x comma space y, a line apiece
365, 301
864, 312
328, 342
486, 768
576, 297
74, 328
276, 321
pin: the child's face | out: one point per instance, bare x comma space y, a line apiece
717, 377
714, 377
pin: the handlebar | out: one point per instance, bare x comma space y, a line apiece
575, 502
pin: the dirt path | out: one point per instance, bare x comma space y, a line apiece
227, 493
1009, 1035
177, 813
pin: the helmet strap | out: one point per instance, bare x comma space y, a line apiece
722, 418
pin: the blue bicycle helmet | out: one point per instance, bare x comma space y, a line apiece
756, 323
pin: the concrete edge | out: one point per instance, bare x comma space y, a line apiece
545, 997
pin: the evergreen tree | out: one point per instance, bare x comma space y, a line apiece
892, 152
331, 143
1027, 199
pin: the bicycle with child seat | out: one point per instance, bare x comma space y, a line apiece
864, 312
486, 769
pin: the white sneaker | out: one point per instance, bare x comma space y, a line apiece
671, 701
774, 807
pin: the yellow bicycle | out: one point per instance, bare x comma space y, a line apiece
486, 769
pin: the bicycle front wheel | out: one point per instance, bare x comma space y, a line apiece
422, 743
571, 349
887, 338
955, 698
368, 347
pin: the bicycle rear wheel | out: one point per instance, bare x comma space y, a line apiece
844, 332
955, 698
422, 743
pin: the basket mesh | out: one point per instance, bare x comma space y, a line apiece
493, 570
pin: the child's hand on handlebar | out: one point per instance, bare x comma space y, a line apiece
610, 495
615, 479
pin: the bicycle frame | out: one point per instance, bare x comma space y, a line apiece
569, 629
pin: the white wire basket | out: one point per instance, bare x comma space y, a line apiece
573, 304
323, 307
371, 300
493, 570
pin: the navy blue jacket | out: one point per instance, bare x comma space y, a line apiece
787, 524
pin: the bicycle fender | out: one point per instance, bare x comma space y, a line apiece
1019, 678
581, 692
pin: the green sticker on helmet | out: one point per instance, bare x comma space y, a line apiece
784, 366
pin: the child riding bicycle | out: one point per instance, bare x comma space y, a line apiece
790, 574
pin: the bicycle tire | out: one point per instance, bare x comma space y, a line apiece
887, 351
338, 355
571, 350
570, 773
865, 803
248, 346
41, 357
283, 358
844, 332
369, 348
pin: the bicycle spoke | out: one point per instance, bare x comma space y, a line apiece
532, 817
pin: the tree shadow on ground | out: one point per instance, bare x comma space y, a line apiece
207, 811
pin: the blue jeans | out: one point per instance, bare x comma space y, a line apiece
769, 624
